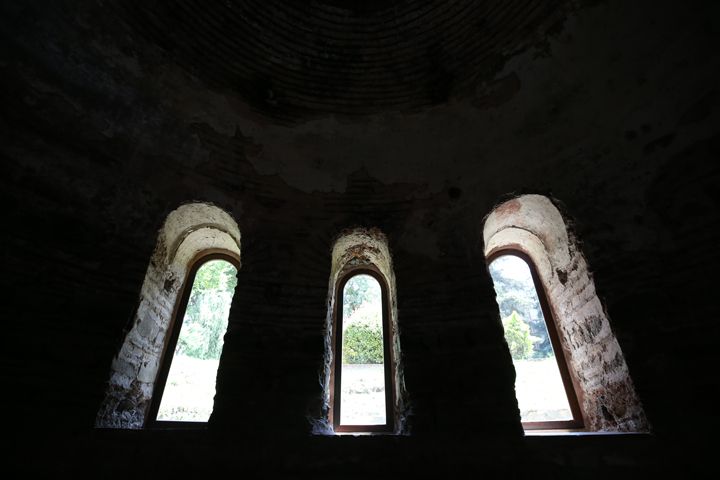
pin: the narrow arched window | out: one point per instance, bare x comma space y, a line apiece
191, 235
362, 374
538, 269
185, 386
543, 385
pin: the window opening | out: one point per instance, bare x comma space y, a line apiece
543, 386
186, 383
363, 400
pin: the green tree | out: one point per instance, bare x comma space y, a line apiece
517, 336
362, 343
207, 311
517, 293
358, 290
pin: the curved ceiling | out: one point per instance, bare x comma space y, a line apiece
293, 59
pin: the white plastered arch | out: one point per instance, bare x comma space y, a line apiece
188, 232
534, 225
355, 248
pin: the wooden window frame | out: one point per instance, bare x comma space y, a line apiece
569, 379
389, 364
172, 336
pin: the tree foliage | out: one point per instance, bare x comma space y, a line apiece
517, 336
207, 311
362, 320
362, 343
360, 290
517, 294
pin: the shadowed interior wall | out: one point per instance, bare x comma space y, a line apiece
115, 113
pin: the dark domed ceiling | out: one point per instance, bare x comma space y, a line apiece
297, 59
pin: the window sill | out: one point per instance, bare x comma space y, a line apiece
362, 434
577, 433
174, 425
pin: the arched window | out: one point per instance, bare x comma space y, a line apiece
191, 242
545, 392
362, 379
528, 234
185, 386
362, 393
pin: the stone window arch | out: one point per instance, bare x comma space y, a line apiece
190, 234
362, 252
533, 226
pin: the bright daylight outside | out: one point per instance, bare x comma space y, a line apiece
539, 388
362, 397
190, 387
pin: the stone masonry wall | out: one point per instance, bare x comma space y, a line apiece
596, 363
189, 230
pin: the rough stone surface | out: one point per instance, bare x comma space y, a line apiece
113, 114
358, 247
187, 231
533, 225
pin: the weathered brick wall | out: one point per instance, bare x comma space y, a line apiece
608, 394
134, 368
104, 132
601, 376
354, 248
188, 231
